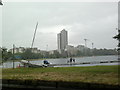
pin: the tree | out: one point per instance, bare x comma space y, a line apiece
27, 54
118, 38
4, 53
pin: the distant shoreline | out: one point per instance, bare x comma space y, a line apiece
53, 58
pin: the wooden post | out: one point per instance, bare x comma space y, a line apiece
13, 55
118, 44
92, 49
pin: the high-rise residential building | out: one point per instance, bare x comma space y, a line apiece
62, 39
59, 42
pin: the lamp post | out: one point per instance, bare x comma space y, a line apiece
118, 38
85, 45
92, 48
13, 56
118, 44
92, 45
46, 51
85, 42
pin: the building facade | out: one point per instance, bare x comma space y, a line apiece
17, 50
71, 50
62, 40
59, 42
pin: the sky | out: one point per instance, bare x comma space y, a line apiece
95, 21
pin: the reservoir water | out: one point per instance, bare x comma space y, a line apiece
93, 59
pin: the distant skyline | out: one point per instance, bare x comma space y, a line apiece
95, 21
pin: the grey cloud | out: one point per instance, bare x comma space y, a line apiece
81, 20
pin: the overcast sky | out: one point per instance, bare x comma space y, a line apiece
95, 21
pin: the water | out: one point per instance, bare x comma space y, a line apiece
64, 61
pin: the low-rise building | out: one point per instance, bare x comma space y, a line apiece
71, 50
17, 50
53, 51
81, 48
34, 50
21, 49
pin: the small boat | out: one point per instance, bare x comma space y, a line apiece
26, 63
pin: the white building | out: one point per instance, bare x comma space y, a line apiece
34, 50
17, 50
21, 49
53, 51
62, 39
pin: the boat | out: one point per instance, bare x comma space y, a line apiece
26, 63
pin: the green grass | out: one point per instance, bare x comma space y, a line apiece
92, 74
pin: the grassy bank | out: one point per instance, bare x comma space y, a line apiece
92, 74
